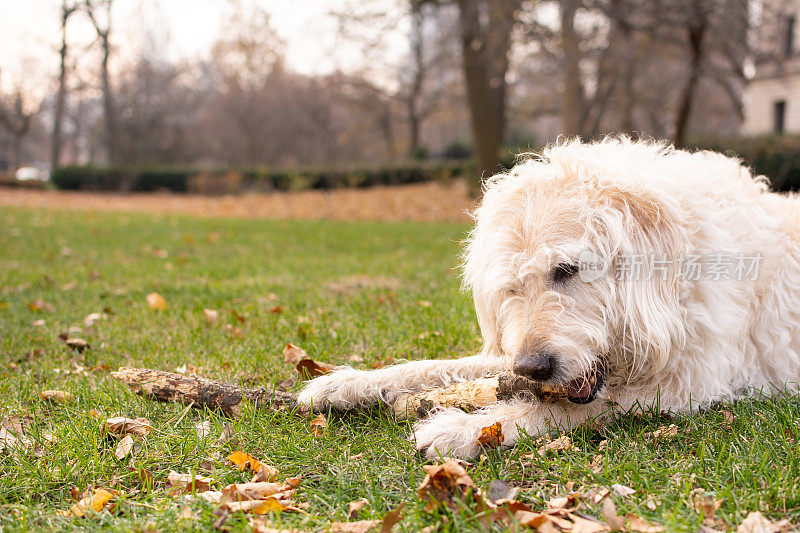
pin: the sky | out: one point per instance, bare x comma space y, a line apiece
29, 33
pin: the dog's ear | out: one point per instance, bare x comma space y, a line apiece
649, 223
653, 228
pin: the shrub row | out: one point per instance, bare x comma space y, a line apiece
778, 158
222, 181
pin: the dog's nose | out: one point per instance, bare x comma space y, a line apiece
538, 366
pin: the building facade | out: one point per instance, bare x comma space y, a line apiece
772, 96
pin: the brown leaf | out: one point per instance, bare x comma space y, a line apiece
354, 507
491, 436
664, 432
361, 526
95, 502
203, 429
562, 443
120, 425
77, 344
40, 306
56, 396
308, 368
261, 507
609, 510
319, 424
622, 491
392, 518
758, 523
156, 302
211, 316
188, 483
256, 491
444, 482
278, 309
582, 525
265, 473
705, 504
124, 447
293, 354
640, 525
245, 461
92, 318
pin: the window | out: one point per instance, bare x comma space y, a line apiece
788, 44
779, 116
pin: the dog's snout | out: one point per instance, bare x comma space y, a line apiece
538, 366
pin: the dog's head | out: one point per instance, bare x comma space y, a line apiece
541, 263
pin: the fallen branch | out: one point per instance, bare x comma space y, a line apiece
199, 392
472, 395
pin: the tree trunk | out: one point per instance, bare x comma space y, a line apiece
109, 115
418, 78
572, 97
695, 34
58, 112
485, 45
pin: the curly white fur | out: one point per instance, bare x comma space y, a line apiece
679, 341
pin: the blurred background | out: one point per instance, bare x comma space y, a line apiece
230, 96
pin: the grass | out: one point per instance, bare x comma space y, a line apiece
345, 289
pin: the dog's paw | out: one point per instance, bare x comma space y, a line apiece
449, 432
344, 388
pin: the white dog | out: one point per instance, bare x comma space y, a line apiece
626, 272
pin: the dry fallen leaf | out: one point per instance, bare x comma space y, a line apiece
609, 511
95, 502
362, 526
120, 425
665, 432
562, 443
758, 523
245, 461
57, 396
203, 429
157, 302
354, 507
93, 318
40, 306
124, 447
582, 525
640, 525
211, 316
188, 483
705, 504
444, 482
77, 344
293, 354
392, 518
256, 491
305, 366
319, 424
260, 507
622, 491
491, 436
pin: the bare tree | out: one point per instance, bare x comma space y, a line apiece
486, 27
67, 9
99, 12
16, 117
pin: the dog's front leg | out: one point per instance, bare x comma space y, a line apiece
453, 432
347, 387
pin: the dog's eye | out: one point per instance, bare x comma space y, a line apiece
564, 271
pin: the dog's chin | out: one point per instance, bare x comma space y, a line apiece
584, 389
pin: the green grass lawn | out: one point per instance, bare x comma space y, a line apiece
372, 290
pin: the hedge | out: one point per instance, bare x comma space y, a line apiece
778, 158
218, 181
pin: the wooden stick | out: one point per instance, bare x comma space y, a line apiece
199, 392
472, 395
